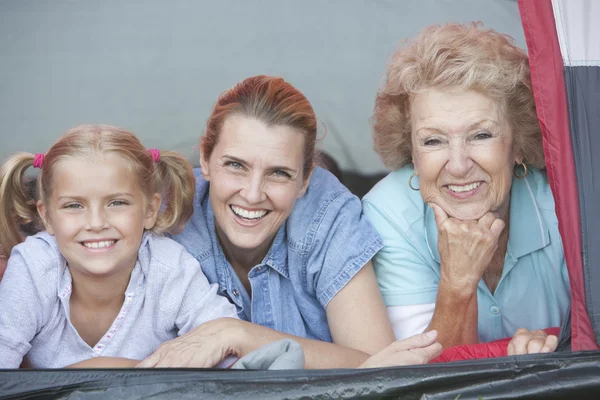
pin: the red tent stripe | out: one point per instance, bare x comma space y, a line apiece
547, 74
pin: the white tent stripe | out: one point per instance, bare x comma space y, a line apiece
578, 38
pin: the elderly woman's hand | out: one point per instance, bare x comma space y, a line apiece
466, 247
531, 342
203, 347
417, 349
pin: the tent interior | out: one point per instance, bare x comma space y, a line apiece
156, 68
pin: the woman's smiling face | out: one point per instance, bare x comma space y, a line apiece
462, 149
256, 176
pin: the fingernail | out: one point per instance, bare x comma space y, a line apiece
431, 334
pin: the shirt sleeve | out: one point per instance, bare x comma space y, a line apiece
403, 274
190, 297
25, 294
410, 320
343, 242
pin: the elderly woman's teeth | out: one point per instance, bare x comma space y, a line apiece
464, 188
248, 214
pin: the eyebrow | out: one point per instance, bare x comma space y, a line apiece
478, 124
291, 171
112, 195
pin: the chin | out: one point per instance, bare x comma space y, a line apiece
466, 214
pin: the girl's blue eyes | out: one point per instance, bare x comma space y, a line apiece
112, 203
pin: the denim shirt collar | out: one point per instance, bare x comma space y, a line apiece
528, 230
276, 257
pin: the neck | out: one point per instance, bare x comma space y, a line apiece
504, 211
99, 292
240, 258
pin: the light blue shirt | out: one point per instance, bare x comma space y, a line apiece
321, 246
533, 291
167, 296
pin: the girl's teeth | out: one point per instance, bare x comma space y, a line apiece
99, 245
465, 188
248, 214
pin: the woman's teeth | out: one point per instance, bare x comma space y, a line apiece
248, 214
99, 245
465, 188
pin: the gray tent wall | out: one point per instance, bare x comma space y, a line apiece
579, 38
156, 67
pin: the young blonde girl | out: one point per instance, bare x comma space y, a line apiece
101, 280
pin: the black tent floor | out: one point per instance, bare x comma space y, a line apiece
542, 376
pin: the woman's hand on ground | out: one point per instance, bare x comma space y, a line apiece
203, 347
466, 247
417, 349
531, 342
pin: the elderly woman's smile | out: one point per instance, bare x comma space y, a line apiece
462, 152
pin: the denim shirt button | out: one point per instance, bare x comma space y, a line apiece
259, 268
495, 309
236, 293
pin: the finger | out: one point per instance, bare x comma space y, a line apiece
519, 344
416, 341
421, 355
151, 361
439, 214
535, 345
488, 219
550, 345
497, 227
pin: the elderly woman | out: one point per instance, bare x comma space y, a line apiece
471, 241
285, 242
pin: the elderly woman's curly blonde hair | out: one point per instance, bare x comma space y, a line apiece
456, 56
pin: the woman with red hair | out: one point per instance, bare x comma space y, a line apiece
285, 241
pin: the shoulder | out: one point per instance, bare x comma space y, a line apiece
393, 200
325, 198
39, 250
195, 236
37, 259
164, 256
537, 182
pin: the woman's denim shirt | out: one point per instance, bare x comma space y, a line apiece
324, 242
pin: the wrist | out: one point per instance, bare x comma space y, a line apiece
461, 291
236, 335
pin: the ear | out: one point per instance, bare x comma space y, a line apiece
43, 213
305, 184
415, 167
152, 209
204, 165
518, 159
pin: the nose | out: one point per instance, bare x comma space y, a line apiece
97, 219
459, 159
253, 191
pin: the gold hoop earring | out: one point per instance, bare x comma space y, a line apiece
524, 171
410, 183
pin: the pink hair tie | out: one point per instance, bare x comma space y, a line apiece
155, 153
38, 160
